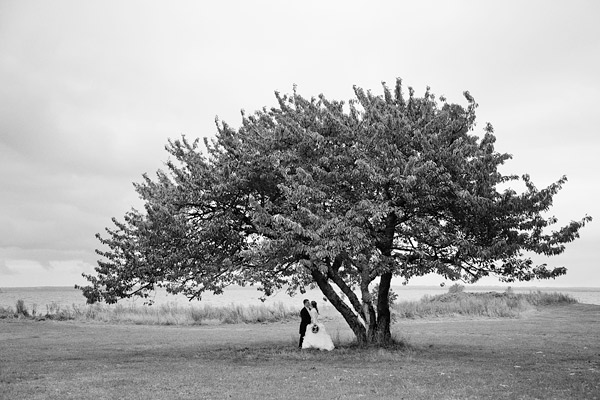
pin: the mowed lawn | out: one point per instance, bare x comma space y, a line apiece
552, 353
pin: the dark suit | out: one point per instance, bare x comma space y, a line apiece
304, 322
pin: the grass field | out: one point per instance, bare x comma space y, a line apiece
548, 353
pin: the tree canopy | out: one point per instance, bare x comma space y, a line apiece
341, 195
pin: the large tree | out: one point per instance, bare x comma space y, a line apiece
346, 196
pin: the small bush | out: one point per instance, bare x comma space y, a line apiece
456, 288
6, 312
392, 296
21, 309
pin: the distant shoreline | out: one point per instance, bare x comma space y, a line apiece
405, 287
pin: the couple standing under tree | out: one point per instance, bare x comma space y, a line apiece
312, 333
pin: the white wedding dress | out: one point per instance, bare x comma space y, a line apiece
319, 340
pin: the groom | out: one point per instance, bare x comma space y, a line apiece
304, 320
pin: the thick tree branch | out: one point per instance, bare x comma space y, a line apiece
332, 273
348, 314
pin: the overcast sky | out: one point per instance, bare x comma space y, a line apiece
90, 92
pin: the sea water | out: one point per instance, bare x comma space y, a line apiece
42, 297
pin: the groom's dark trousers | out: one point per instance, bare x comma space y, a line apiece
304, 322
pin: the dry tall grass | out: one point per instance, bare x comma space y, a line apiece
165, 314
492, 304
455, 302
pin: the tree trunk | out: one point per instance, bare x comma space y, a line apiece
383, 334
373, 323
368, 310
351, 318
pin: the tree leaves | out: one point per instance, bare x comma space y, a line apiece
317, 190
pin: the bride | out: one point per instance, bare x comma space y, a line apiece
316, 336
